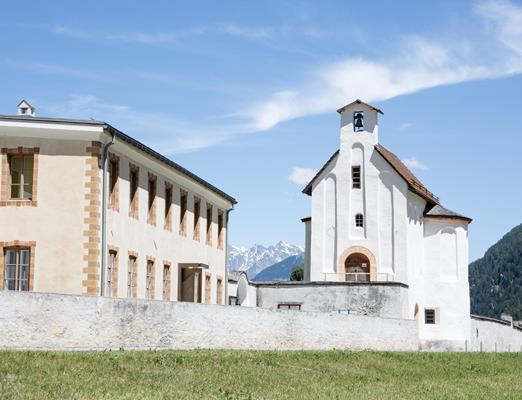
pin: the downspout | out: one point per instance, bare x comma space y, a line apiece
226, 257
103, 266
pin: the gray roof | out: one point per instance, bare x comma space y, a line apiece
439, 211
126, 138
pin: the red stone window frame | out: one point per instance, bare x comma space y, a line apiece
18, 244
221, 229
167, 280
152, 198
150, 278
197, 219
183, 202
134, 191
132, 276
169, 190
113, 251
5, 184
209, 223
114, 182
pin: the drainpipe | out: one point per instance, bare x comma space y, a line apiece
105, 154
226, 257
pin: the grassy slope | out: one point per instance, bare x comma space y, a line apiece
258, 375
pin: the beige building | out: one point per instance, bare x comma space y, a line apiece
157, 230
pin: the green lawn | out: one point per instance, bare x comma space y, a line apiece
204, 374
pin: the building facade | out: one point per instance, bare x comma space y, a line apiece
86, 209
372, 221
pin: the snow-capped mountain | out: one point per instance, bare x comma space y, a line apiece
253, 260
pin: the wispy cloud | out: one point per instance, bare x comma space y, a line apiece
405, 125
413, 163
301, 176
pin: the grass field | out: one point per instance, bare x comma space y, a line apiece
204, 374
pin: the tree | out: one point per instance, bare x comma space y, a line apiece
297, 273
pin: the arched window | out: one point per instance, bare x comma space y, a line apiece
359, 221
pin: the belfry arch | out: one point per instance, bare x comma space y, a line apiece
357, 264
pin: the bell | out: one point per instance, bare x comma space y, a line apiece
358, 121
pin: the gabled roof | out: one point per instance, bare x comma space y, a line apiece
125, 138
415, 185
308, 189
340, 110
26, 102
440, 212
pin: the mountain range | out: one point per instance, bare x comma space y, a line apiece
258, 257
280, 271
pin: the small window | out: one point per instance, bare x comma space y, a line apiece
113, 176
151, 219
209, 224
23, 110
131, 278
289, 306
197, 215
168, 199
16, 274
429, 316
359, 220
356, 177
134, 185
183, 213
358, 121
149, 282
208, 288
109, 286
166, 282
21, 174
220, 229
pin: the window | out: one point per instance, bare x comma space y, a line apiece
134, 181
358, 121
151, 205
209, 224
16, 275
356, 177
208, 288
114, 171
183, 213
166, 282
197, 215
131, 278
23, 110
429, 316
109, 285
289, 306
359, 220
219, 291
168, 206
21, 174
149, 282
220, 229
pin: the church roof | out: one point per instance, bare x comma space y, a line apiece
340, 110
414, 183
440, 212
308, 189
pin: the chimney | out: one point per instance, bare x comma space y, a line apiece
26, 109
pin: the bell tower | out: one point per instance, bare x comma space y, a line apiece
359, 124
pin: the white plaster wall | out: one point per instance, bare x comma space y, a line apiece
56, 224
449, 295
61, 322
492, 336
138, 236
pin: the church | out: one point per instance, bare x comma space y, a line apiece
372, 222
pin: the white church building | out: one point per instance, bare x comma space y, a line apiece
373, 221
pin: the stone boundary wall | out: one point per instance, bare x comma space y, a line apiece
491, 335
66, 322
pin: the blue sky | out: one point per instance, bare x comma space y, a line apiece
244, 93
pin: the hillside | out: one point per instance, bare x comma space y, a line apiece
281, 270
496, 279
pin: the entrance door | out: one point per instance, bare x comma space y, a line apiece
190, 285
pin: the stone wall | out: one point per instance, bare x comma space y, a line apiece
389, 300
494, 335
58, 322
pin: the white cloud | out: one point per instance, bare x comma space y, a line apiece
413, 163
301, 176
405, 125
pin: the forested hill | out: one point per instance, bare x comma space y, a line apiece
496, 279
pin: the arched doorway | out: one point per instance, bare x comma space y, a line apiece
357, 268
